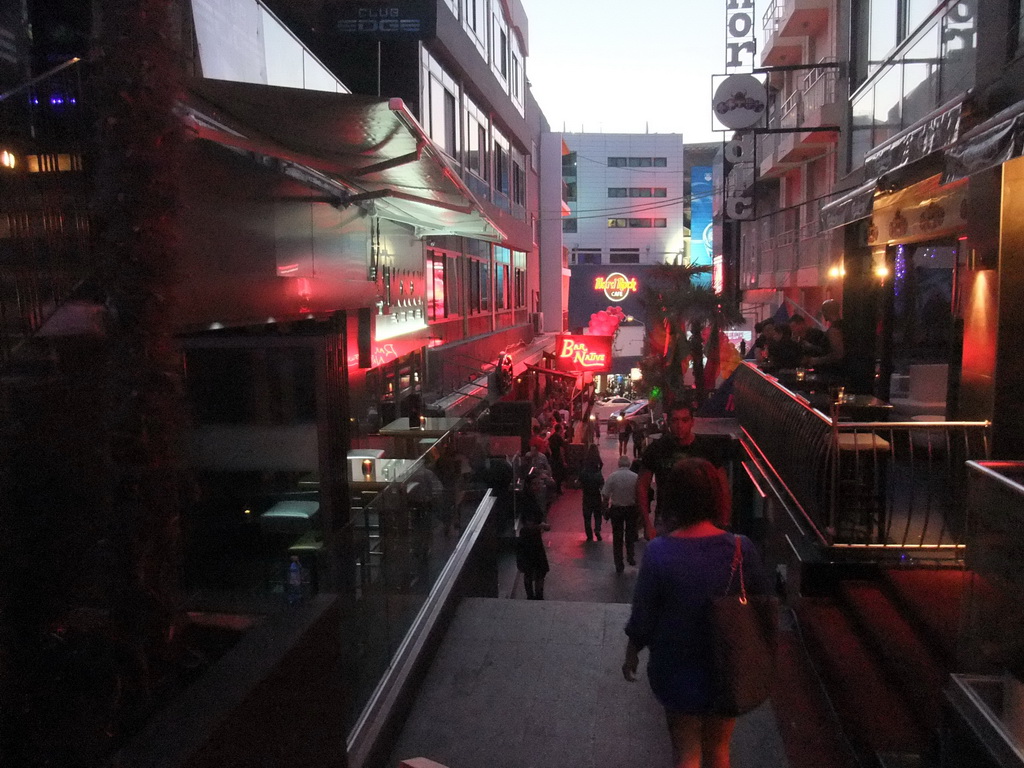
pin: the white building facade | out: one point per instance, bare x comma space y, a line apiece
625, 195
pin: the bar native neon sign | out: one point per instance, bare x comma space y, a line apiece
616, 286
578, 353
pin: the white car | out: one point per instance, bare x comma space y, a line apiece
604, 409
639, 413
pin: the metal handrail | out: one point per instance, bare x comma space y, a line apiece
885, 486
772, 17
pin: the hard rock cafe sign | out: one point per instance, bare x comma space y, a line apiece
616, 286
576, 353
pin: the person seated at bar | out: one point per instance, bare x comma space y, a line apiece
811, 341
832, 361
783, 352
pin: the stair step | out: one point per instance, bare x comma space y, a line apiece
875, 716
904, 656
932, 597
810, 733
890, 760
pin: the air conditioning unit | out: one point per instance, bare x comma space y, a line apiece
538, 322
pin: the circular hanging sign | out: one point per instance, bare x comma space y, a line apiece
740, 101
616, 286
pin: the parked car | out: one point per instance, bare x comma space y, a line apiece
639, 413
609, 406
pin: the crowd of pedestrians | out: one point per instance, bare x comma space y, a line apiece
675, 491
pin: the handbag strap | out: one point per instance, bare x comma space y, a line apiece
737, 566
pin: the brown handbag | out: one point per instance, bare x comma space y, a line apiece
745, 635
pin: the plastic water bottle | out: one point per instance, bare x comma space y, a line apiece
293, 582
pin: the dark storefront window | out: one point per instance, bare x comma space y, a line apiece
268, 385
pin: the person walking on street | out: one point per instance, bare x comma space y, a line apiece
535, 470
619, 495
680, 575
531, 559
625, 432
639, 440
679, 442
556, 452
591, 481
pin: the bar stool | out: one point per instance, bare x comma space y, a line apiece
860, 491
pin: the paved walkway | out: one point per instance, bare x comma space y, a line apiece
531, 684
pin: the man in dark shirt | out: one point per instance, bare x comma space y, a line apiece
810, 339
679, 442
556, 445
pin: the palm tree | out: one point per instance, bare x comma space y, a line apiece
679, 312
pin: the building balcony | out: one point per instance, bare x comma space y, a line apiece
812, 105
803, 18
785, 248
779, 49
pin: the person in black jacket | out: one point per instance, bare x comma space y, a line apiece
531, 559
591, 481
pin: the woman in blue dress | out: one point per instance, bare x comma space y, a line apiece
681, 573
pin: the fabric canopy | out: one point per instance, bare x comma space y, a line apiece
373, 148
852, 206
994, 142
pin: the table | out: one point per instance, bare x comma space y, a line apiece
408, 438
852, 407
290, 517
432, 426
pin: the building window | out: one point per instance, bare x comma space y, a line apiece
518, 184
443, 118
637, 223
485, 286
473, 274
502, 283
586, 255
519, 265
437, 285
637, 162
569, 165
502, 165
501, 170
637, 192
569, 225
624, 256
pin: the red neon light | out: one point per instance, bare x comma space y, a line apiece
384, 353
583, 353
718, 275
616, 286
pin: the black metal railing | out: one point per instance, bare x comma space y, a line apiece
881, 486
46, 125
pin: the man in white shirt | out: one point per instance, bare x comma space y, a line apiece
619, 494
